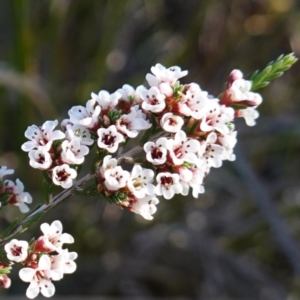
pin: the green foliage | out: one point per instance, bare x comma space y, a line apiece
117, 197
33, 219
114, 115
273, 70
4, 198
9, 229
177, 90
3, 257
48, 184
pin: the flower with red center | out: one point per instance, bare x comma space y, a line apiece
109, 138
63, 175
153, 100
168, 185
171, 123
40, 278
116, 178
53, 238
156, 153
42, 137
40, 159
182, 149
16, 250
17, 195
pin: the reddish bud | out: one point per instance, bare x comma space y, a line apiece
5, 281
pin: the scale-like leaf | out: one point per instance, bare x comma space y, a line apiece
273, 70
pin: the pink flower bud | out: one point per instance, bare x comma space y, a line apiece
5, 281
234, 75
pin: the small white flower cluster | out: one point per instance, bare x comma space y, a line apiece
238, 94
107, 118
43, 260
13, 193
197, 134
136, 187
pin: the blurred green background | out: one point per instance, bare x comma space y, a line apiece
226, 244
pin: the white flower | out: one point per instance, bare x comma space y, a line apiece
162, 74
129, 94
156, 153
40, 159
153, 100
42, 137
64, 261
210, 153
192, 177
40, 278
194, 102
80, 132
18, 197
73, 152
116, 178
63, 175
106, 100
85, 116
145, 207
16, 250
4, 171
196, 183
228, 141
216, 117
171, 123
168, 185
139, 182
53, 238
250, 114
109, 138
108, 163
182, 149
133, 123
240, 90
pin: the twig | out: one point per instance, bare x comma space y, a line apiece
45, 207
63, 195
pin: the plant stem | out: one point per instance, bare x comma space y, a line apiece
20, 226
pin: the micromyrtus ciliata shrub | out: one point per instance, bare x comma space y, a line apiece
186, 132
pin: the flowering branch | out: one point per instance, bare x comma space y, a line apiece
186, 132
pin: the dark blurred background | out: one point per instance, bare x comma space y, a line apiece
239, 240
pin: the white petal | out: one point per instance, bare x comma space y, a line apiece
66, 238
56, 226
45, 228
27, 274
44, 263
70, 267
47, 289
33, 290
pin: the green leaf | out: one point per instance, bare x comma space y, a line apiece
114, 115
33, 219
3, 257
5, 197
9, 229
5, 270
117, 197
273, 70
177, 90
